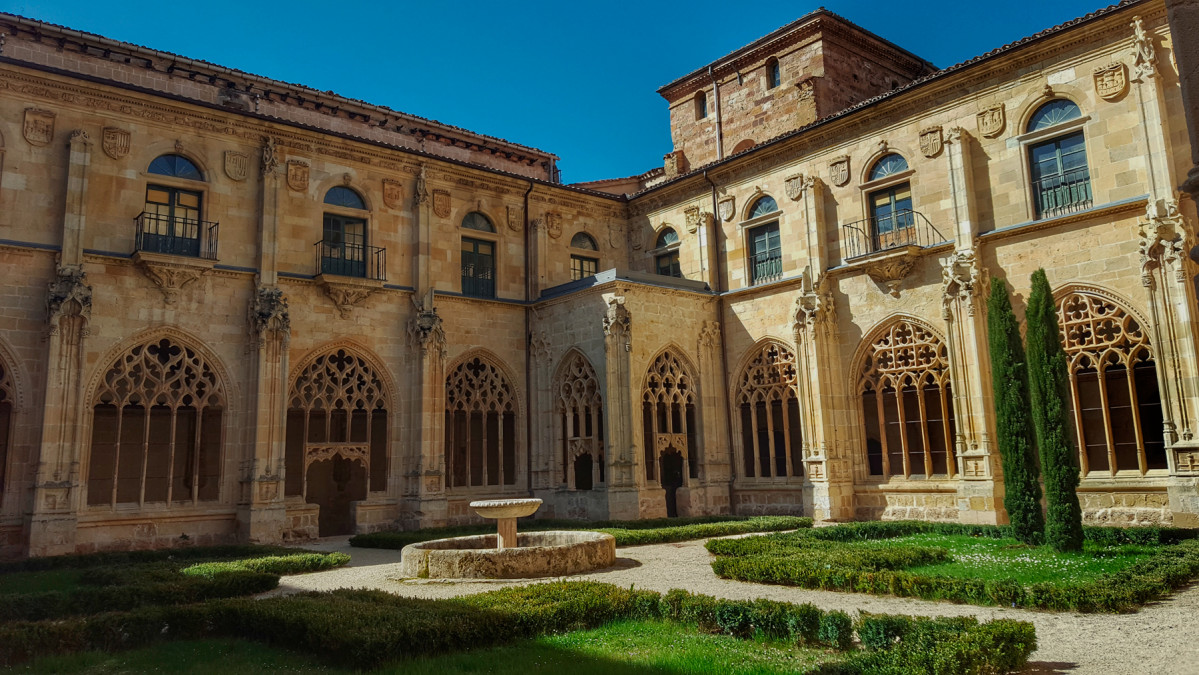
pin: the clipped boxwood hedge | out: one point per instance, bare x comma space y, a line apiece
368, 629
806, 560
297, 563
626, 532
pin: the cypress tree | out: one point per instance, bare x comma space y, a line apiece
1009, 386
1049, 386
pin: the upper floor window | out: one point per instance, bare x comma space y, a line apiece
584, 241
892, 221
774, 75
477, 221
888, 165
343, 247
170, 220
1061, 181
765, 254
762, 207
478, 258
666, 262
701, 105
582, 266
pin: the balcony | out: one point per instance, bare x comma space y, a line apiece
1062, 193
161, 234
765, 267
478, 280
351, 260
899, 229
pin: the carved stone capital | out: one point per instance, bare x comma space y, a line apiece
1164, 236
1144, 55
617, 323
709, 334
268, 312
69, 295
814, 308
961, 280
171, 273
539, 346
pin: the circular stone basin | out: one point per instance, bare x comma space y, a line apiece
537, 554
506, 508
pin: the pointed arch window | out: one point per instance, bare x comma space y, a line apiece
156, 428
1114, 395
907, 405
669, 416
480, 426
170, 222
771, 436
337, 413
1061, 180
580, 410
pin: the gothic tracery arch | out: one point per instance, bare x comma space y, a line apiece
669, 416
907, 405
156, 427
481, 433
579, 406
768, 405
1113, 385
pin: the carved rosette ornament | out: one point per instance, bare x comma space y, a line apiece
617, 323
931, 142
794, 186
814, 308
961, 278
270, 158
426, 331
992, 121
69, 295
114, 142
268, 313
1164, 235
1111, 81
1144, 55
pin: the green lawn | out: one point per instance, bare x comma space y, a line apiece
996, 559
623, 648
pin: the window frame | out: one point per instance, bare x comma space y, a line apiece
774, 74
672, 249
177, 184
750, 265
494, 244
700, 105
1030, 138
749, 224
347, 213
581, 272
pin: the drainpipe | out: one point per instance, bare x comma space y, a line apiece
719, 279
719, 138
529, 288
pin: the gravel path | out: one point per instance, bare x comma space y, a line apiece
1162, 638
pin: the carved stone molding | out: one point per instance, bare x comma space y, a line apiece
268, 312
319, 452
347, 292
1164, 235
814, 308
618, 323
270, 157
1144, 55
114, 142
426, 332
890, 270
69, 295
171, 273
961, 279
1111, 81
931, 142
992, 121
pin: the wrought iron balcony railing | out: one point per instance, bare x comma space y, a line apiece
1063, 193
765, 267
351, 260
898, 229
158, 233
478, 279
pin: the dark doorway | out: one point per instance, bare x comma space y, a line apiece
583, 472
334, 485
672, 480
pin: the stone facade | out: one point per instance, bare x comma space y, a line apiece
379, 322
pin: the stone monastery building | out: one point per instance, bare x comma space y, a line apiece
235, 309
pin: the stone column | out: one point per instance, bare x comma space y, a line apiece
1183, 16
56, 497
625, 472
715, 470
546, 458
427, 507
264, 517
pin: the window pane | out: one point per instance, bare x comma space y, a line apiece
1094, 435
344, 197
1053, 112
1149, 405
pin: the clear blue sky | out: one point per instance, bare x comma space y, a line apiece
574, 78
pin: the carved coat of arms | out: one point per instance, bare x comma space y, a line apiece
793, 186
931, 142
692, 215
553, 224
838, 171
237, 165
114, 142
514, 219
297, 175
1111, 81
991, 121
441, 203
726, 208
39, 126
393, 193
